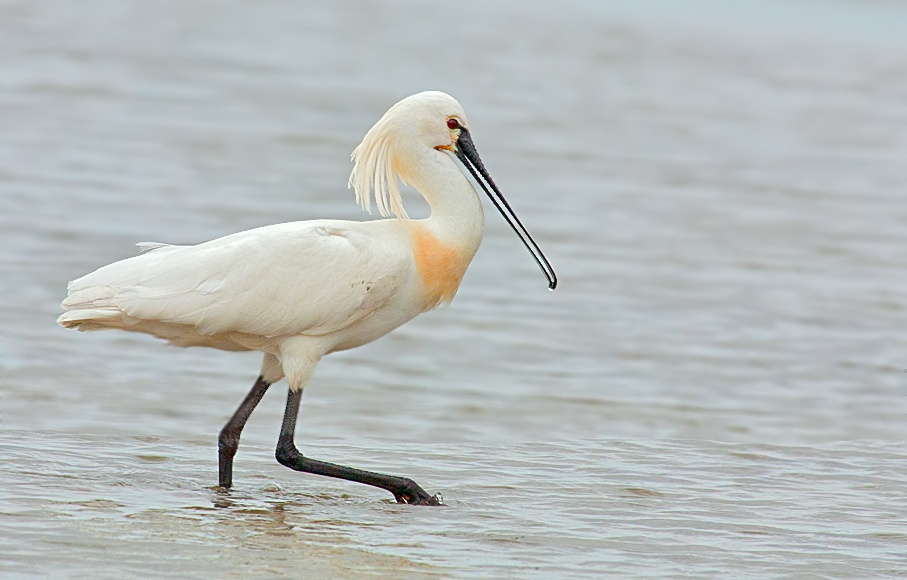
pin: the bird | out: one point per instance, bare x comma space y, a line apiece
301, 290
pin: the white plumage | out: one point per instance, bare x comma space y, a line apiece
329, 275
300, 290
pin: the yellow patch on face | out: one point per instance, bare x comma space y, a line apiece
440, 267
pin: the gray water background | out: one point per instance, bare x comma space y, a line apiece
717, 387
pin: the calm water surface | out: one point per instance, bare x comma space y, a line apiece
717, 388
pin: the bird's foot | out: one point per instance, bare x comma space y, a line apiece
412, 494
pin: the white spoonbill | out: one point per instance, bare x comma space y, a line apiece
298, 291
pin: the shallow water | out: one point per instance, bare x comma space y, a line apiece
717, 387
623, 507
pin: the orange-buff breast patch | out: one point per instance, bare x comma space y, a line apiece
441, 267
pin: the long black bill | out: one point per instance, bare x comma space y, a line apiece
467, 153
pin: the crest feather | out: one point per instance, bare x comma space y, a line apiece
375, 168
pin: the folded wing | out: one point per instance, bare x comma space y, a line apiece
312, 277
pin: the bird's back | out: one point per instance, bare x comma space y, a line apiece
315, 277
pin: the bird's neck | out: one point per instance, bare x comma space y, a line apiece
457, 218
445, 242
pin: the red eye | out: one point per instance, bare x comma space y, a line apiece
453, 124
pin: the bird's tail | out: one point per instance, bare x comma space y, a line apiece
92, 308
95, 300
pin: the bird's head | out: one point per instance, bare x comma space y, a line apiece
424, 121
392, 148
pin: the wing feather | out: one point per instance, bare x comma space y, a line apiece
297, 278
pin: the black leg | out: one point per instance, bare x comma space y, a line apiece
404, 489
228, 442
